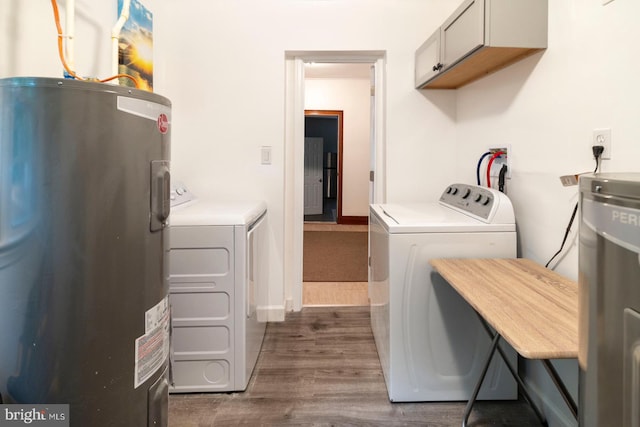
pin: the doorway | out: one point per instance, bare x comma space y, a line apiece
335, 255
325, 125
294, 153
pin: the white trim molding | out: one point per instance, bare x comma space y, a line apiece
294, 153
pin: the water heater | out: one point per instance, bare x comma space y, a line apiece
609, 300
84, 201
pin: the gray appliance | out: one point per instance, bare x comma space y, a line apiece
331, 175
609, 300
84, 201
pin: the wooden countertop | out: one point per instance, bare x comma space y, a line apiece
532, 307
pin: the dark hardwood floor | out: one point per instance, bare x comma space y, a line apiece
320, 368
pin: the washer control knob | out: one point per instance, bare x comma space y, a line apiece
449, 189
467, 193
454, 191
478, 198
486, 202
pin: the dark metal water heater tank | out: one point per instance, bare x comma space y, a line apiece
84, 201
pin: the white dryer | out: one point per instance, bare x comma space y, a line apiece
217, 280
430, 342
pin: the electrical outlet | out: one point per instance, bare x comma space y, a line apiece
502, 160
603, 137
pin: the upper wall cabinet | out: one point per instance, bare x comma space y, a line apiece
480, 37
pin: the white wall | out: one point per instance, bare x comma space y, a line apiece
28, 38
226, 78
352, 96
546, 107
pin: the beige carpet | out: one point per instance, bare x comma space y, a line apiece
331, 294
335, 256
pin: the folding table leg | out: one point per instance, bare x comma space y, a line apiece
514, 374
561, 387
467, 410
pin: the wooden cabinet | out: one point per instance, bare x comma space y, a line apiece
480, 37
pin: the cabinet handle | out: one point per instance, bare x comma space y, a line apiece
438, 67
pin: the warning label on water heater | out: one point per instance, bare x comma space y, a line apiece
152, 348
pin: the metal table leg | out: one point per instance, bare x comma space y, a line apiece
514, 374
467, 410
561, 387
495, 338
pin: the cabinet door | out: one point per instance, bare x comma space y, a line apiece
463, 32
427, 61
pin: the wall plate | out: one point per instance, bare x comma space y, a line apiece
603, 137
499, 161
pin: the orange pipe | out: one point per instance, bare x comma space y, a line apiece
72, 73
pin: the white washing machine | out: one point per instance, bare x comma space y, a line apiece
430, 342
217, 284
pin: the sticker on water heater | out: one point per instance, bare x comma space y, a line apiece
163, 123
145, 109
152, 348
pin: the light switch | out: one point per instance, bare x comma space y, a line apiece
265, 154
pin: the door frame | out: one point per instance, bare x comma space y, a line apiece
339, 114
294, 155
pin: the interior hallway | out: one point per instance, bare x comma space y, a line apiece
322, 294
321, 367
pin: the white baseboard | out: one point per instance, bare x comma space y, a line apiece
288, 304
271, 313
